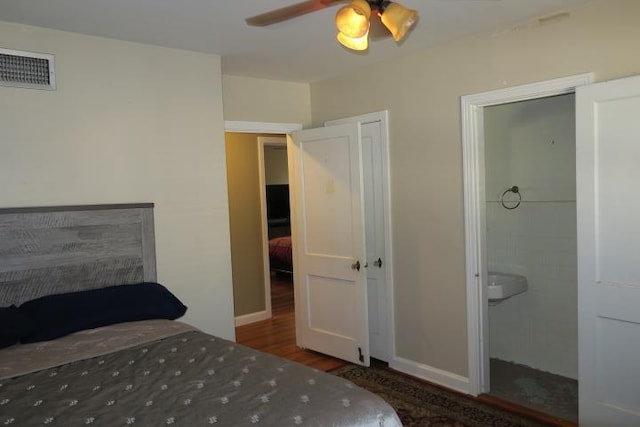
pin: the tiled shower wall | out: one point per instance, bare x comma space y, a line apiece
539, 327
532, 145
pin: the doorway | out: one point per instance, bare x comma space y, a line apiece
381, 296
249, 260
276, 223
263, 164
531, 246
477, 198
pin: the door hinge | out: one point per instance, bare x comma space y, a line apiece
360, 355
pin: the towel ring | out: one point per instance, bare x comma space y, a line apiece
514, 190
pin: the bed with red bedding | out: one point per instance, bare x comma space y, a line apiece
280, 258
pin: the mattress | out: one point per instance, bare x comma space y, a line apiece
163, 372
280, 256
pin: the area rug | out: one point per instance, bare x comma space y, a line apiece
419, 404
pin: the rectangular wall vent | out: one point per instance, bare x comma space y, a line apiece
27, 69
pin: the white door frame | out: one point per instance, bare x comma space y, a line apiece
263, 142
263, 128
472, 107
383, 118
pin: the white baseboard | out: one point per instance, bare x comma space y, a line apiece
252, 317
431, 374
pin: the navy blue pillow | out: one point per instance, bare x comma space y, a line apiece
14, 326
62, 314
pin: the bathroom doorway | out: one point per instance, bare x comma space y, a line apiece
531, 253
508, 197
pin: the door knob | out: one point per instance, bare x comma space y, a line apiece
356, 265
378, 263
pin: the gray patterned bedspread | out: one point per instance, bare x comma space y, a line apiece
189, 379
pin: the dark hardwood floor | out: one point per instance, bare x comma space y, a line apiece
278, 334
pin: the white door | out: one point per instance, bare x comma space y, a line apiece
377, 289
374, 176
608, 207
329, 242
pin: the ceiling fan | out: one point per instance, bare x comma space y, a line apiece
353, 21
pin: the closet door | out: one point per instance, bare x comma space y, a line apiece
608, 208
375, 176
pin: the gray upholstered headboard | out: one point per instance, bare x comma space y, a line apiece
52, 250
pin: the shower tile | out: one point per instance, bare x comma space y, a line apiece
538, 240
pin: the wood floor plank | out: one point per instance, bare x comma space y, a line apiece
278, 335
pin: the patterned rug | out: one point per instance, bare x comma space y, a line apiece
420, 404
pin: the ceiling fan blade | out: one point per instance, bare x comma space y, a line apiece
288, 12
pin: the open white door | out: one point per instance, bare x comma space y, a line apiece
329, 241
608, 152
377, 224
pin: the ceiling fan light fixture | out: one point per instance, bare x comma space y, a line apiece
354, 43
398, 19
353, 20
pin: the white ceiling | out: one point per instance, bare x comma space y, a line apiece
300, 50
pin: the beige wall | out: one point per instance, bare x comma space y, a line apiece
128, 123
245, 223
276, 165
259, 100
422, 93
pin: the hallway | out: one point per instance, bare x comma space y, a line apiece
278, 335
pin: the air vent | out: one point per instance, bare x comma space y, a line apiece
27, 69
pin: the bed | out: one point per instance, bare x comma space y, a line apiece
280, 257
63, 268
